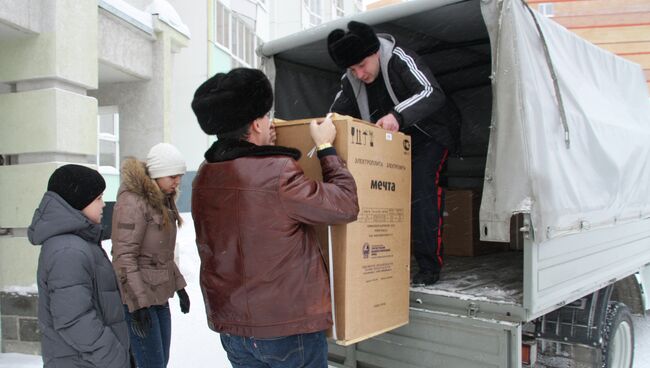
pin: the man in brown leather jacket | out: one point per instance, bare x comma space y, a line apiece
263, 275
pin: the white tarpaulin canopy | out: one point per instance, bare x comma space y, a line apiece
603, 175
589, 171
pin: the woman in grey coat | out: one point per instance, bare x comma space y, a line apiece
80, 311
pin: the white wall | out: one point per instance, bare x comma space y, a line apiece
285, 17
190, 70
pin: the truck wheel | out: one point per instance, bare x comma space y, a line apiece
618, 337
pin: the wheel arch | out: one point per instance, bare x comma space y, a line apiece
629, 292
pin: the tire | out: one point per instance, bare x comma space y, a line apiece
618, 337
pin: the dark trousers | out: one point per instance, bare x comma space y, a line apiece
297, 351
152, 351
427, 202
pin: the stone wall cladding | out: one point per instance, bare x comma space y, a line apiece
19, 323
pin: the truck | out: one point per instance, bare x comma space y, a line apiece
555, 134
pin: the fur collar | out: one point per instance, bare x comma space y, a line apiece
230, 149
135, 178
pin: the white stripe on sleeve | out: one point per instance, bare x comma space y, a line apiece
419, 76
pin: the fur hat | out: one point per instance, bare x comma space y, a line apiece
347, 49
227, 102
165, 160
78, 185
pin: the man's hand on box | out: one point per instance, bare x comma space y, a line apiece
323, 132
389, 123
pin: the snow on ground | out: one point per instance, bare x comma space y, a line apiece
642, 343
195, 345
11, 360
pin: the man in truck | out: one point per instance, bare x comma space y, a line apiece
392, 87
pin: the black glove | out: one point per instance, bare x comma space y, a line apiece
185, 300
141, 322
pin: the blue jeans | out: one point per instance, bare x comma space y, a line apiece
152, 351
296, 351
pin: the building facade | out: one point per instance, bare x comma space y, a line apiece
622, 26
84, 82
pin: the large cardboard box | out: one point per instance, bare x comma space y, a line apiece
460, 229
369, 258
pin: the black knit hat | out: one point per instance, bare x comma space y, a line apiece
347, 49
78, 185
227, 102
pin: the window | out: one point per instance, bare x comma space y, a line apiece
250, 49
312, 13
222, 26
546, 9
234, 40
241, 38
338, 9
108, 140
236, 37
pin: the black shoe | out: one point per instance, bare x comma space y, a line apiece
425, 278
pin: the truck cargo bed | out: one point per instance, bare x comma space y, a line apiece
494, 277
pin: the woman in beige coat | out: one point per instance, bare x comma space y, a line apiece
145, 220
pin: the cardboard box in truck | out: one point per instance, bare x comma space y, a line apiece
460, 229
368, 259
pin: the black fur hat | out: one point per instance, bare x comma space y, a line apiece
78, 185
350, 48
227, 102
